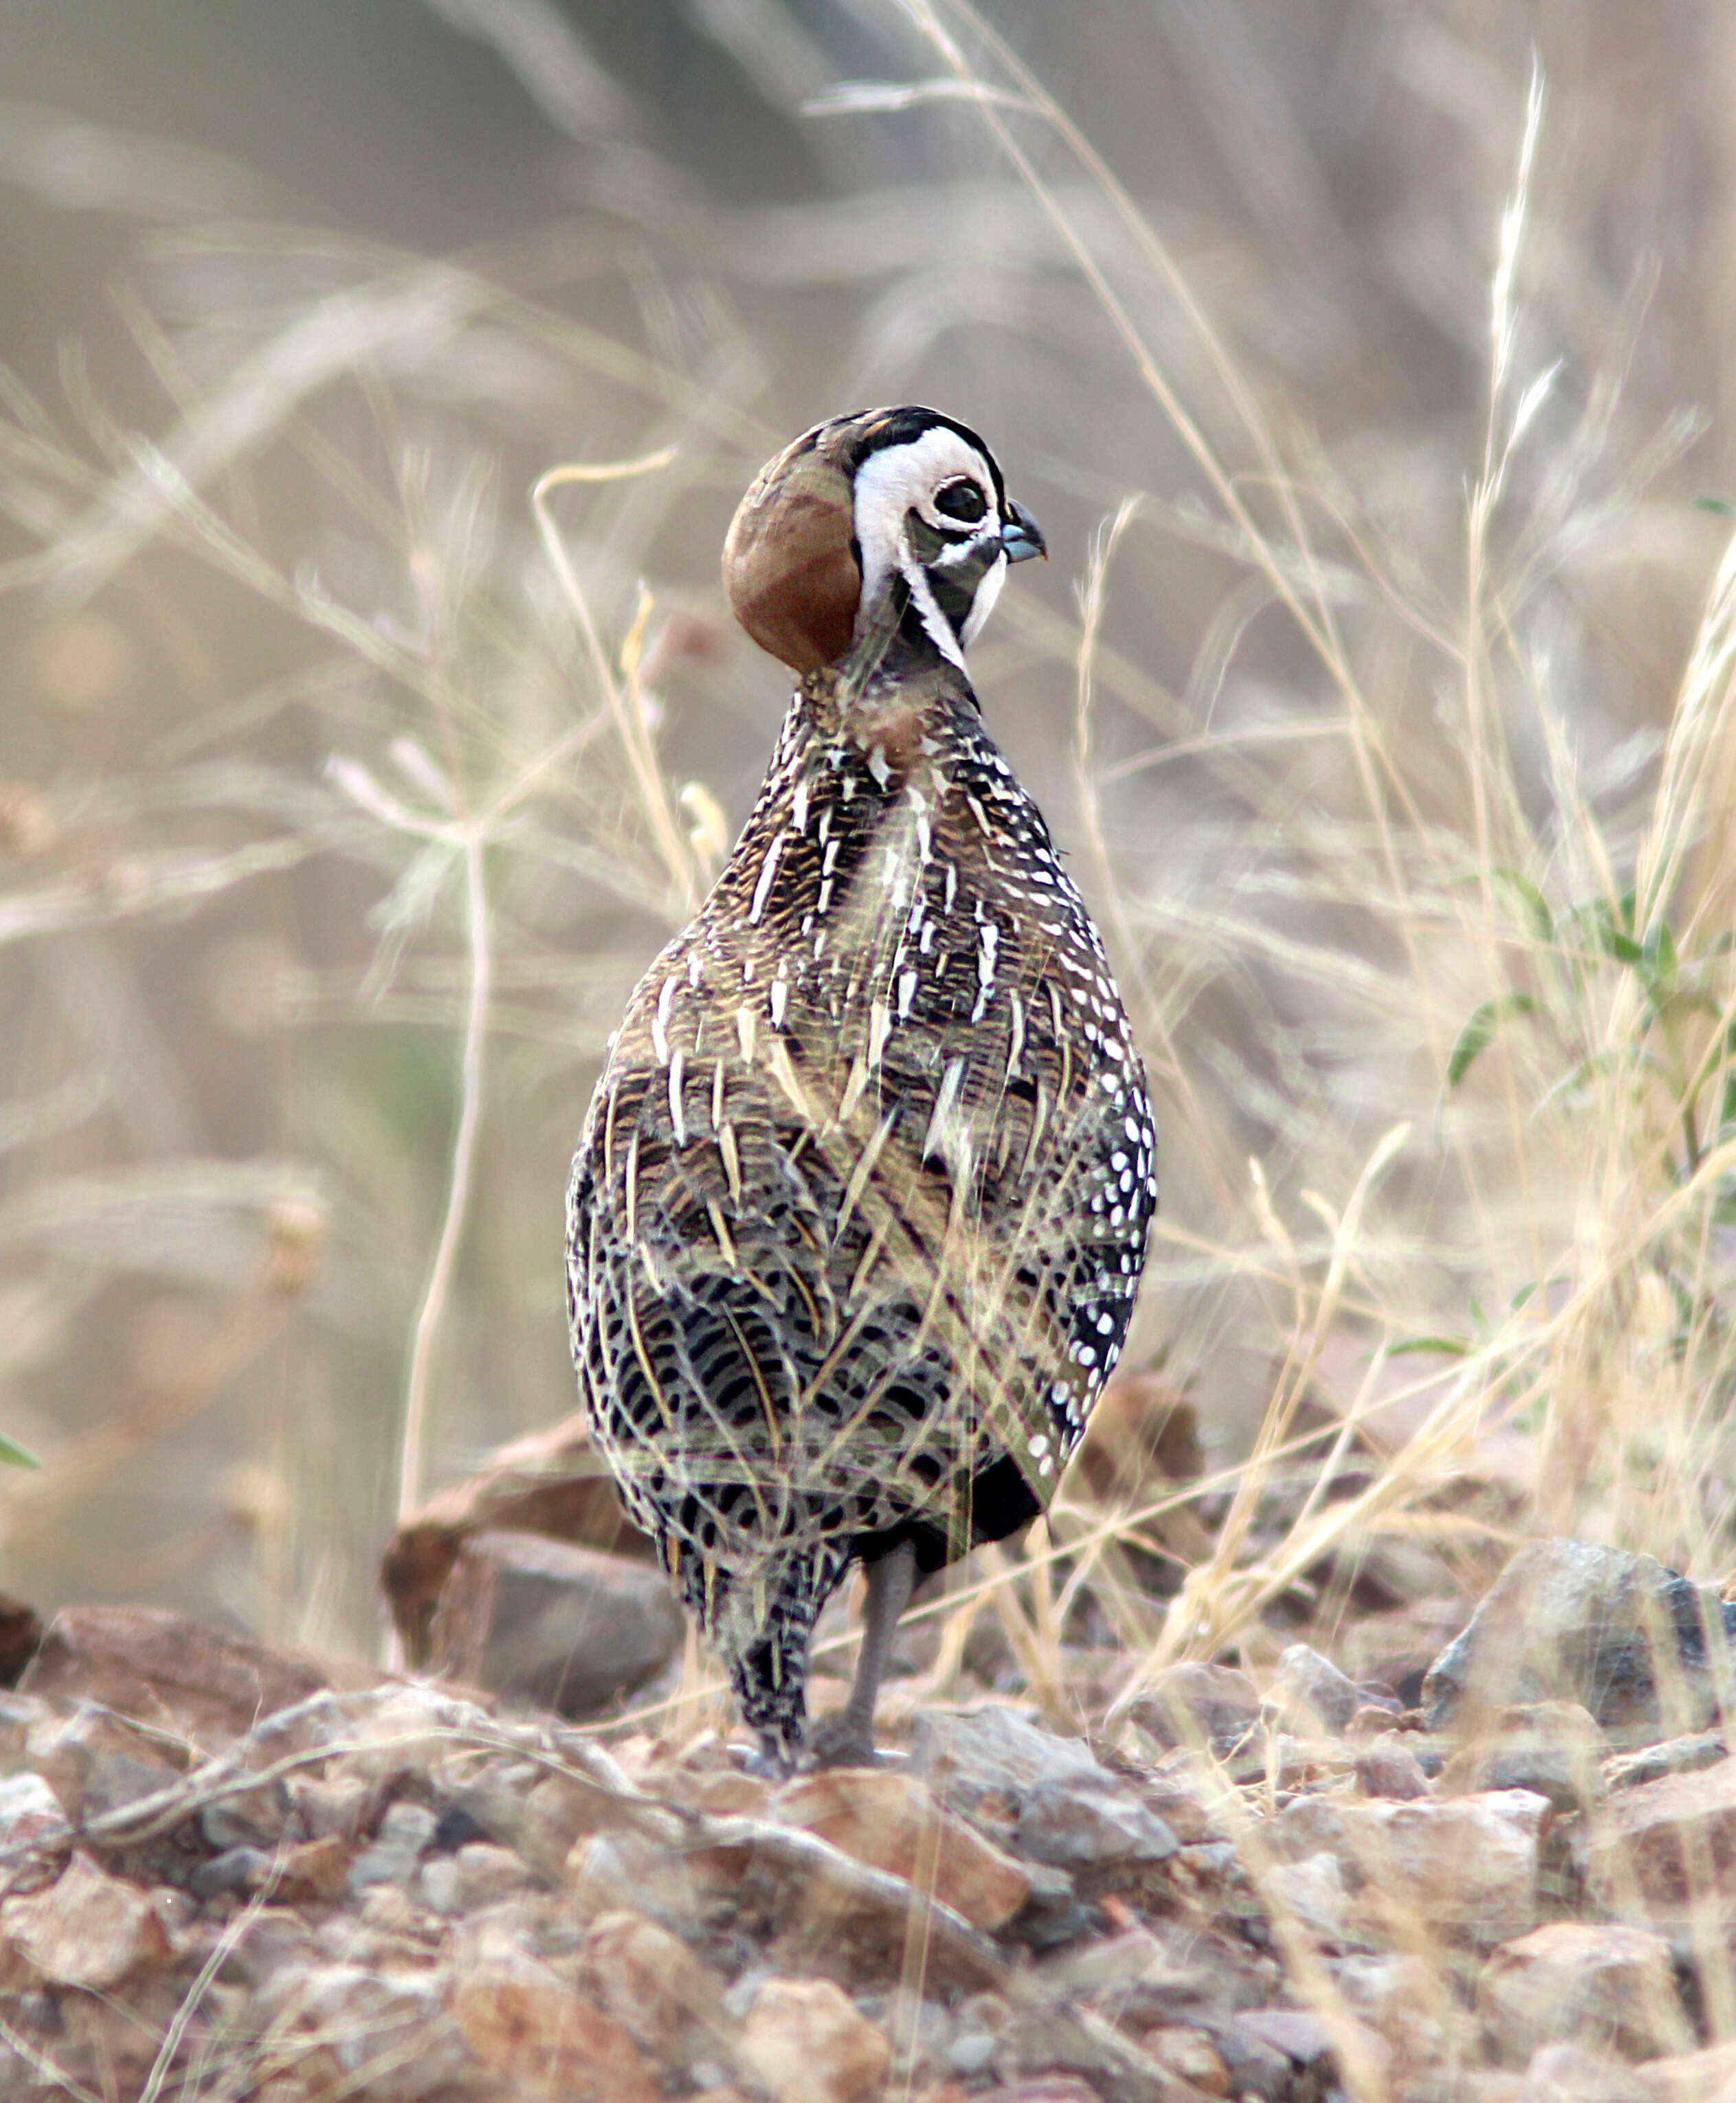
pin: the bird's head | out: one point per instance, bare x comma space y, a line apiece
900, 502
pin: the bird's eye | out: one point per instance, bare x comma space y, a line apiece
961, 500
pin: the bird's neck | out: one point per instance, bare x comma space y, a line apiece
906, 680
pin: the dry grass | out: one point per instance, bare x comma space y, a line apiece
350, 783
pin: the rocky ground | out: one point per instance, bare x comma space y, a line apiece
226, 1878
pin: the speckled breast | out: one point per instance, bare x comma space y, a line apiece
861, 1208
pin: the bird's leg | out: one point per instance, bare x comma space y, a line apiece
772, 1763
847, 1738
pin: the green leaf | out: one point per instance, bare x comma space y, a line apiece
1526, 904
1475, 1038
1661, 965
1450, 1347
1529, 1290
1622, 947
12, 1454
1606, 928
1720, 507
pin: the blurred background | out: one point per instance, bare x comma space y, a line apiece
1366, 363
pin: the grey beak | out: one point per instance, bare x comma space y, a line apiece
1021, 536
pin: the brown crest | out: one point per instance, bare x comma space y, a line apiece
789, 566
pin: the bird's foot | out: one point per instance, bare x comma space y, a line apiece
843, 1741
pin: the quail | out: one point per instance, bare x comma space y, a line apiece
859, 1213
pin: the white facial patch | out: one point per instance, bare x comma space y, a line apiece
892, 483
983, 604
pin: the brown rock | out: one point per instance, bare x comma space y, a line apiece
1087, 1829
1410, 2002
804, 2041
1489, 2085
31, 1823
336, 1808
1185, 1791
557, 1812
1190, 2055
653, 1985
1310, 1694
252, 1817
96, 2043
723, 1794
178, 1675
20, 1637
405, 1832
1608, 1987
1198, 1706
523, 2024
386, 2029
1298, 1763
1386, 1766
1636, 1644
1699, 1748
1051, 1795
544, 1623
829, 1913
88, 1929
892, 1822
555, 1483
1303, 2037
1467, 1864
1569, 2074
399, 1729
20, 1714
625, 1871
316, 1870
1046, 2043
1662, 1844
1372, 1719
97, 1761
1553, 1747
1044, 2088
485, 1874
1692, 2077
1257, 2068
1314, 1892
1137, 1976
494, 1799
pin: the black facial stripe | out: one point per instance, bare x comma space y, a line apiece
953, 602
914, 627
964, 536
